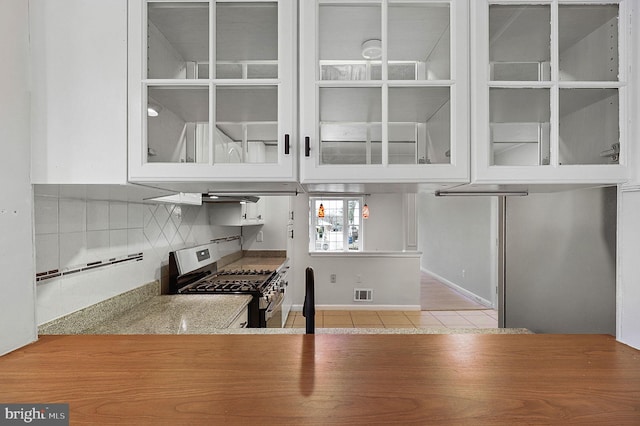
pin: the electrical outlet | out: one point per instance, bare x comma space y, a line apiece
332, 278
358, 278
259, 237
464, 272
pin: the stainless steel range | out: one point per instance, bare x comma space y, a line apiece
193, 271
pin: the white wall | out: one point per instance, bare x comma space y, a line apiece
17, 308
395, 280
561, 261
628, 296
72, 231
274, 231
458, 234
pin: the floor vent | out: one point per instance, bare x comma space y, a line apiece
362, 295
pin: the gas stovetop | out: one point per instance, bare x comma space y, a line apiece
238, 282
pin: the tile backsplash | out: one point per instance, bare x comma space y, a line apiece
73, 235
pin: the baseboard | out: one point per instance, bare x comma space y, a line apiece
459, 289
298, 308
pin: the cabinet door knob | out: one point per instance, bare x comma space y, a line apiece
307, 146
286, 144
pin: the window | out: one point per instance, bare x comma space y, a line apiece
335, 224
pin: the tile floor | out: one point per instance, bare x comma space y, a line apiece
485, 318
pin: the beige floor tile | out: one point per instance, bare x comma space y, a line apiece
393, 313
336, 312
429, 321
299, 321
444, 313
337, 321
473, 313
399, 326
363, 313
484, 322
457, 321
367, 320
395, 320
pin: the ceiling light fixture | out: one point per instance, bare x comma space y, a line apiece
372, 49
153, 110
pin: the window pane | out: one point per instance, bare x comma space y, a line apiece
247, 36
178, 125
178, 40
344, 34
589, 126
519, 42
520, 128
420, 34
588, 42
339, 228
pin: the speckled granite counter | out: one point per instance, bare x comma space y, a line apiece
255, 262
176, 314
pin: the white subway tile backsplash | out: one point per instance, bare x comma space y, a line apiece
97, 246
71, 232
136, 241
46, 215
118, 243
135, 215
118, 216
73, 249
97, 215
73, 216
47, 252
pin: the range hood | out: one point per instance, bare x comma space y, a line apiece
229, 198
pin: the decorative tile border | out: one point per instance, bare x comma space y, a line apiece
42, 276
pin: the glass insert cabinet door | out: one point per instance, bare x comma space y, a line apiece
384, 91
550, 90
215, 85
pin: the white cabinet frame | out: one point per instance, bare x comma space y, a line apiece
311, 171
142, 171
481, 169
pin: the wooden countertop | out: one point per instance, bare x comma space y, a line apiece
329, 379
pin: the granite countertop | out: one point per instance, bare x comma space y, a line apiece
255, 262
176, 314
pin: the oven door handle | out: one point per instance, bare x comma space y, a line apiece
272, 308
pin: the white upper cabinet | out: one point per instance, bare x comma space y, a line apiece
211, 91
78, 51
384, 91
549, 83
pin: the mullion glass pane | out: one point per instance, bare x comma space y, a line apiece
419, 125
246, 128
419, 36
349, 41
246, 40
520, 130
589, 126
588, 42
178, 124
177, 40
350, 125
519, 42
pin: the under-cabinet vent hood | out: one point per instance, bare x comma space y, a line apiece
229, 198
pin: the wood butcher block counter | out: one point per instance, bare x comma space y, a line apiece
329, 379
